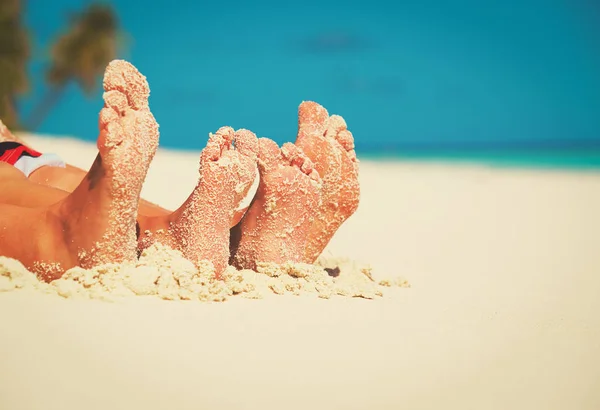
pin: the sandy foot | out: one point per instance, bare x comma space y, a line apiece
100, 215
278, 221
328, 143
200, 228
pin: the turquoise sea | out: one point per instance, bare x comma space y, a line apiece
506, 82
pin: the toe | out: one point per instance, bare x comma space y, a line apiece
269, 154
335, 125
312, 120
116, 100
124, 77
338, 130
246, 143
296, 157
224, 136
345, 139
291, 153
217, 143
111, 135
107, 115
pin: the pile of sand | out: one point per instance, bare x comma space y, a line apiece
164, 273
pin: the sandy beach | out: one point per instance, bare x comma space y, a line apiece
502, 311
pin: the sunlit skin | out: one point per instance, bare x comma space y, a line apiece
306, 191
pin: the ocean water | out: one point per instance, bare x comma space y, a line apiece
507, 82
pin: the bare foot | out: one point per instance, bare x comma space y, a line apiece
281, 215
200, 227
328, 143
100, 215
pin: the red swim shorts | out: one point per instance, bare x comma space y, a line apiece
26, 159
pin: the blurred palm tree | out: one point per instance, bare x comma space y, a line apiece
14, 53
81, 54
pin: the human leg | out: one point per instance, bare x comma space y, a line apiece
96, 223
200, 227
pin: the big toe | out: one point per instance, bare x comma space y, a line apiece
246, 143
122, 76
217, 143
312, 119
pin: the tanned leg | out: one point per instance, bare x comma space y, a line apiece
227, 171
67, 179
96, 223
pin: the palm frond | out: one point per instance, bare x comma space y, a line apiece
83, 52
14, 54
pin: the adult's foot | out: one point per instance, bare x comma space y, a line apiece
200, 228
328, 143
281, 215
99, 217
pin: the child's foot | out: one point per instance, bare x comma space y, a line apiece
328, 143
200, 227
279, 219
100, 215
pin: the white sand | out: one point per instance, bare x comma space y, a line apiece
503, 311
